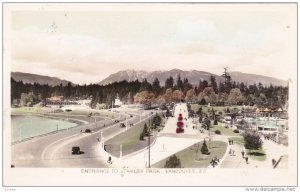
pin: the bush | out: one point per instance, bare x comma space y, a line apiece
173, 162
156, 120
142, 136
204, 149
252, 140
218, 132
236, 131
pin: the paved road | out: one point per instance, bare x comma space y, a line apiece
54, 150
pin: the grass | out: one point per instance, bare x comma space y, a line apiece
25, 110
224, 131
130, 141
205, 108
238, 140
84, 112
189, 157
258, 154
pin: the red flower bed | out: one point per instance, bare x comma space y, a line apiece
180, 124
180, 118
179, 130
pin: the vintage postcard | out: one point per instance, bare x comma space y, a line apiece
150, 94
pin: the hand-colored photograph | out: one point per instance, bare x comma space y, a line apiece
151, 86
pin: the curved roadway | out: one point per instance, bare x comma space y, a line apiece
54, 150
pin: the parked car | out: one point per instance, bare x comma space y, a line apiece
76, 150
122, 125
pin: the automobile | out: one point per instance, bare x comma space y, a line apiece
87, 131
122, 125
76, 150
131, 115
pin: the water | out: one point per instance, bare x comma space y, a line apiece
267, 122
26, 126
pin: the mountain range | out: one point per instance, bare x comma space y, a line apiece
193, 76
33, 78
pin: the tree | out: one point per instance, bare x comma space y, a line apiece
222, 98
235, 96
213, 83
173, 162
144, 97
208, 94
168, 95
204, 148
156, 87
186, 85
190, 95
252, 140
169, 84
156, 120
179, 83
177, 96
202, 85
27, 99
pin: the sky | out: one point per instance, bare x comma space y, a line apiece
85, 44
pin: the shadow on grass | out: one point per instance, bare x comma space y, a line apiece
256, 154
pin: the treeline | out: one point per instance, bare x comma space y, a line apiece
172, 90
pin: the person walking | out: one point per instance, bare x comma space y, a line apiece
243, 154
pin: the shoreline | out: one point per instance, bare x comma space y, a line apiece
71, 120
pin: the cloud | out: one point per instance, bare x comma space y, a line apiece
148, 42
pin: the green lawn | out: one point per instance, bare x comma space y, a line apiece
224, 131
130, 141
25, 110
189, 157
258, 154
238, 140
195, 108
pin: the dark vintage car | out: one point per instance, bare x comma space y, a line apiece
76, 150
122, 125
87, 131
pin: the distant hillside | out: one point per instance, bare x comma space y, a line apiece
252, 78
193, 76
33, 78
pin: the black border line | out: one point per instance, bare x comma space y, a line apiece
267, 3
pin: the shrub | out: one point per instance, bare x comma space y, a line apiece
173, 162
252, 140
142, 136
204, 149
156, 120
218, 132
236, 131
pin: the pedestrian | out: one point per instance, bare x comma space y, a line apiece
109, 160
229, 141
246, 158
230, 151
98, 139
233, 153
243, 154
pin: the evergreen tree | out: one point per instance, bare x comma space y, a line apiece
173, 162
204, 148
169, 84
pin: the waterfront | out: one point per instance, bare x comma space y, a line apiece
26, 126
